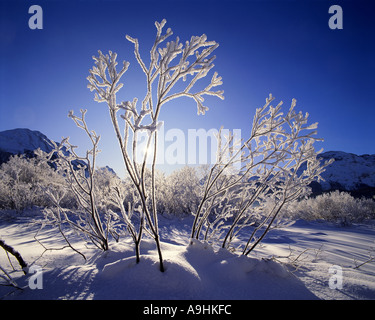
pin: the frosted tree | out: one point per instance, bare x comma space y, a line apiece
79, 173
336, 206
22, 182
169, 65
182, 194
253, 179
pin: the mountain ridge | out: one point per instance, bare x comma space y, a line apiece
21, 140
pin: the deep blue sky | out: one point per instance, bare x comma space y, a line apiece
281, 47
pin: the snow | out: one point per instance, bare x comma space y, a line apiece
329, 245
302, 253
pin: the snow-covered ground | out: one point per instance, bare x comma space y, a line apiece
308, 260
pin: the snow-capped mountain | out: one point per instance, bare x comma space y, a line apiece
18, 141
25, 141
22, 141
349, 172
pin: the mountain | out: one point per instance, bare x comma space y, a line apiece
22, 141
349, 172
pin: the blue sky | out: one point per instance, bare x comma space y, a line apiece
281, 47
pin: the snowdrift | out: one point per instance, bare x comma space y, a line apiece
198, 272
193, 272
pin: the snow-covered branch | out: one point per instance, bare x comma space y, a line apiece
274, 166
79, 173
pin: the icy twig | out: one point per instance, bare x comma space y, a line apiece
15, 253
370, 259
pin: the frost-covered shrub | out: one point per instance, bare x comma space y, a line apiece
336, 206
182, 193
130, 194
178, 193
253, 179
79, 172
106, 180
23, 182
169, 64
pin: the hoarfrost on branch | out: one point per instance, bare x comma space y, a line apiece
275, 166
168, 65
